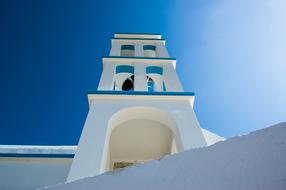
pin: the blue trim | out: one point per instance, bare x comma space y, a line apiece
124, 69
162, 39
19, 155
126, 57
127, 47
149, 47
154, 69
107, 92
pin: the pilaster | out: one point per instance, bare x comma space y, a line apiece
107, 77
140, 82
171, 79
162, 50
139, 52
115, 49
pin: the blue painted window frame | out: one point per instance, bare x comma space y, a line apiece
124, 69
149, 47
154, 70
127, 47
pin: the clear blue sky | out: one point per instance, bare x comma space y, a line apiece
231, 53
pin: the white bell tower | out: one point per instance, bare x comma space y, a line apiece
139, 111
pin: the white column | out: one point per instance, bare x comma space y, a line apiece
115, 49
171, 79
140, 82
89, 157
139, 51
107, 77
162, 50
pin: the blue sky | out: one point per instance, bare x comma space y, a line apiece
230, 53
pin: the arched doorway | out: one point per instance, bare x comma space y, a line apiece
139, 134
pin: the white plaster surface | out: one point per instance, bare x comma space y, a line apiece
140, 83
162, 50
177, 115
32, 173
139, 52
171, 79
211, 138
115, 49
256, 161
143, 36
107, 77
21, 173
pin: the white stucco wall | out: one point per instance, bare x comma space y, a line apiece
211, 138
256, 161
18, 172
32, 173
96, 130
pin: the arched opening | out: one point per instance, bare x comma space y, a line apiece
137, 141
124, 78
139, 134
128, 84
154, 78
150, 84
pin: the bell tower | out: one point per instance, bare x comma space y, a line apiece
139, 111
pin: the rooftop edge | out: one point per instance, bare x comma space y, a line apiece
137, 35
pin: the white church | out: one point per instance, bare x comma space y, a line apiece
139, 112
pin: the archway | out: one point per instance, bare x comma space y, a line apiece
139, 134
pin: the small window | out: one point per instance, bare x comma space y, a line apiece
149, 51
127, 51
155, 83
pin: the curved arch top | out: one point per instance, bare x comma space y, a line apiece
154, 70
124, 69
146, 114
142, 112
